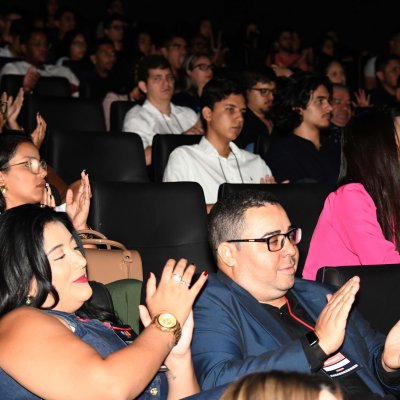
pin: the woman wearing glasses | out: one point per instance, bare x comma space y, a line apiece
199, 70
360, 221
22, 179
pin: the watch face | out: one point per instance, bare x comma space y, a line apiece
167, 320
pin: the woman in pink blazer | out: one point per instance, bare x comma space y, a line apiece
360, 221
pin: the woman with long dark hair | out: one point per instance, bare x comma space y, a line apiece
360, 221
53, 347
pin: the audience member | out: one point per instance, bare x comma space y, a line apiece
255, 316
299, 153
102, 77
44, 290
174, 49
360, 221
114, 29
387, 68
392, 47
260, 86
34, 48
277, 385
22, 180
216, 159
158, 114
341, 114
199, 70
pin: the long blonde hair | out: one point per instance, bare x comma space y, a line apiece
277, 385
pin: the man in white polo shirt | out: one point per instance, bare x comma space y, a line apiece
158, 114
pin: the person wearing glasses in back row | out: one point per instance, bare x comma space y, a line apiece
199, 70
255, 316
23, 180
260, 86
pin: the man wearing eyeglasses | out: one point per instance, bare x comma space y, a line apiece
254, 315
260, 86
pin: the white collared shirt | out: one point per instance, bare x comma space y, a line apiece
201, 163
21, 68
147, 120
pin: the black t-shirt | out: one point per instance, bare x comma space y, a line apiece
296, 159
352, 385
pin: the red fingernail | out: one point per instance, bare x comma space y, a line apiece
205, 273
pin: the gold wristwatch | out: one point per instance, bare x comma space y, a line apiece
168, 323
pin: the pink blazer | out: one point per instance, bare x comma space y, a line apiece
348, 233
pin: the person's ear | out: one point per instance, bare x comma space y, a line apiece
142, 86
206, 112
227, 253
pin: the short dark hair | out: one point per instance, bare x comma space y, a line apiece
382, 60
28, 33
252, 76
23, 258
370, 157
8, 147
292, 95
109, 19
99, 42
216, 90
226, 219
153, 61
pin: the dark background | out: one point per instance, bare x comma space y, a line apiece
361, 23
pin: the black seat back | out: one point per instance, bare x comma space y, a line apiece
65, 113
117, 114
163, 146
377, 298
46, 86
106, 157
160, 220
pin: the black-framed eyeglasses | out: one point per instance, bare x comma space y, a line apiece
3, 107
204, 67
275, 242
264, 91
33, 164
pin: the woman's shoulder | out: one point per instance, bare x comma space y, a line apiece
353, 195
26, 319
350, 190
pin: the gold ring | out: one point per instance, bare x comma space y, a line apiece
177, 277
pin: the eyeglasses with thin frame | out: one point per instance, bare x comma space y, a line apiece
275, 242
264, 91
33, 164
204, 67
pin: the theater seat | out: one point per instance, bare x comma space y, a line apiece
163, 146
378, 298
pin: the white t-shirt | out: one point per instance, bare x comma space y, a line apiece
147, 120
369, 68
201, 163
21, 68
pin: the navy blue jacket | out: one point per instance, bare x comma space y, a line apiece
234, 336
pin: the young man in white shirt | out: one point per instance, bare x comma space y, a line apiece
35, 51
158, 114
216, 159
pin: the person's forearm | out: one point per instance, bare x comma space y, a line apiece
182, 381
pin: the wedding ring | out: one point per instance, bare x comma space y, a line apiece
42, 205
177, 277
185, 283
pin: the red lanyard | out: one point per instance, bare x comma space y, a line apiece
297, 318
